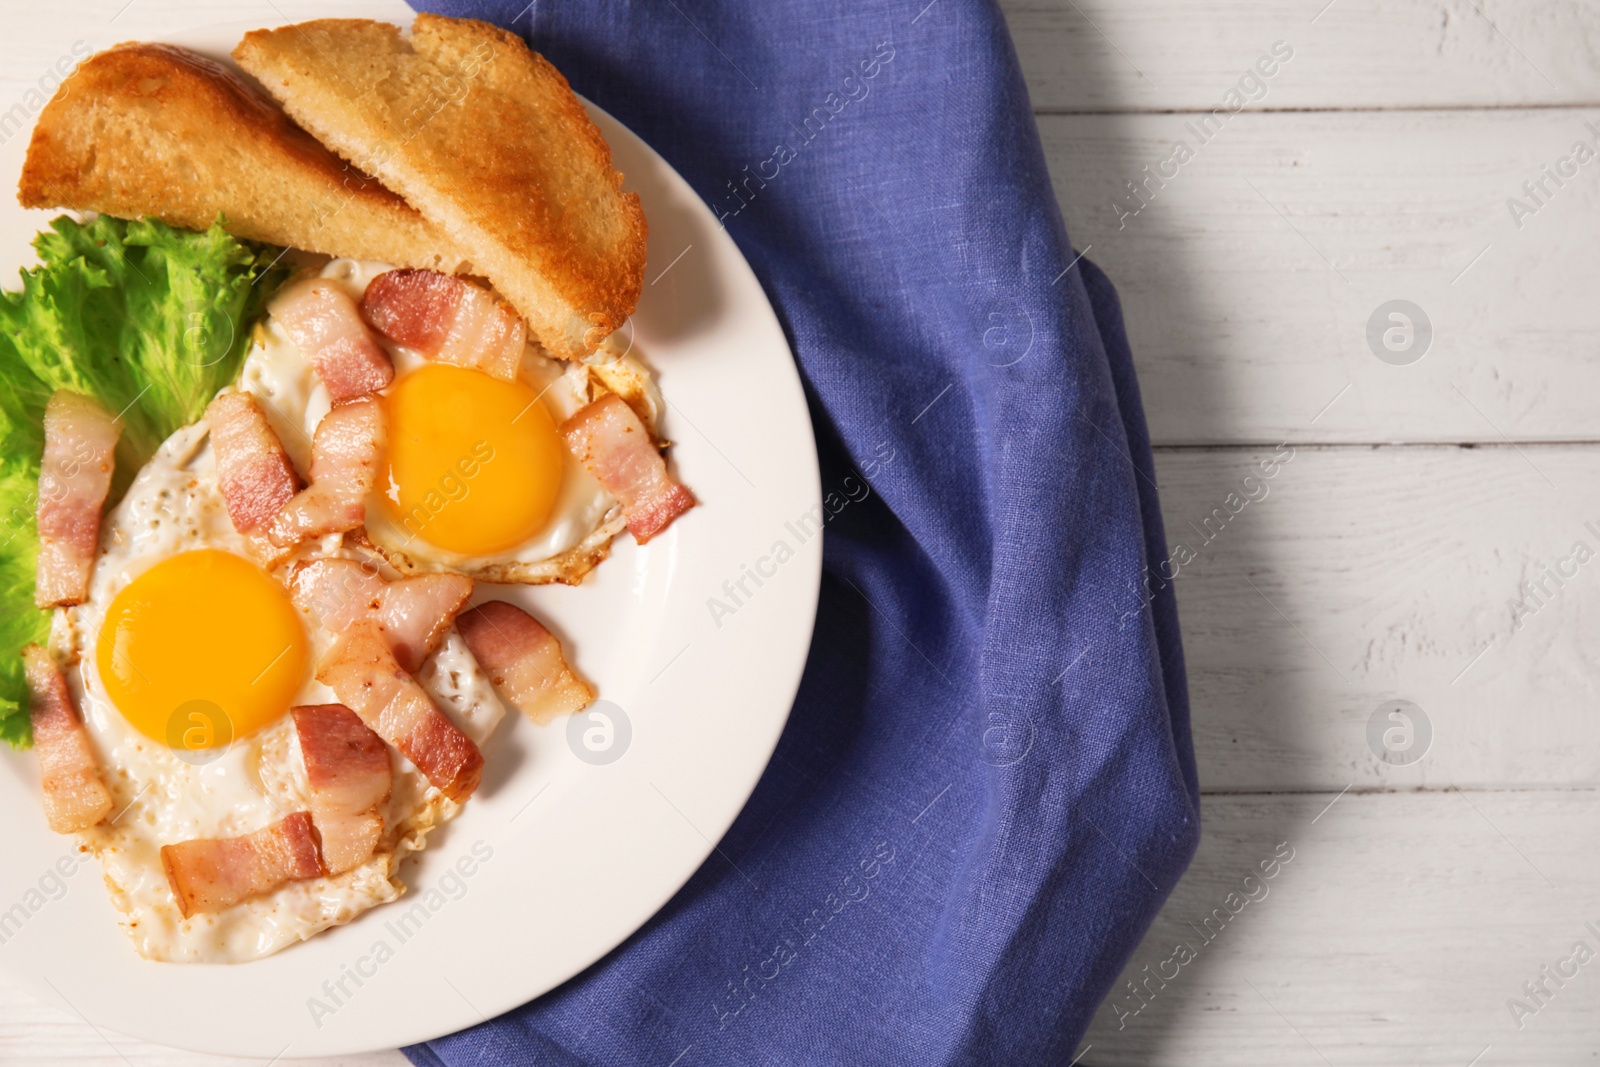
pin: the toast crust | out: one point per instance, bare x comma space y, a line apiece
156, 130
486, 139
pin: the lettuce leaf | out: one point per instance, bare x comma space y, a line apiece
150, 321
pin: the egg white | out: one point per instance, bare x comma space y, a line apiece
174, 505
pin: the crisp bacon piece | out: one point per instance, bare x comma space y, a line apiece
323, 322
347, 768
608, 439
254, 472
344, 467
364, 674
80, 442
211, 874
414, 613
524, 660
446, 319
74, 796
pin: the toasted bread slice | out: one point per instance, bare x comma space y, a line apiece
149, 129
487, 141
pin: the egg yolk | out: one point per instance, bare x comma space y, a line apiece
202, 648
474, 462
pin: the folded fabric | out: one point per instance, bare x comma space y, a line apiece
986, 788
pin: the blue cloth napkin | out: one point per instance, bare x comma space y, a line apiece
987, 787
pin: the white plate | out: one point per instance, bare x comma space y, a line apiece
579, 855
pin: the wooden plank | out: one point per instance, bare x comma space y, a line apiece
1158, 55
1396, 933
1249, 279
1362, 576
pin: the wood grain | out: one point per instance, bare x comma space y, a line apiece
1160, 55
1249, 279
1395, 935
1362, 576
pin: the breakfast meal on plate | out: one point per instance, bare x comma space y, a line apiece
322, 368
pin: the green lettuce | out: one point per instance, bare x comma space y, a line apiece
150, 321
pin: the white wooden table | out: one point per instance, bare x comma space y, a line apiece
1384, 561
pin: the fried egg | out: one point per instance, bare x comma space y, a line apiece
188, 652
187, 655
476, 478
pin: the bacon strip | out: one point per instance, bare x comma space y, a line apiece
80, 442
368, 680
524, 660
344, 467
447, 319
74, 796
211, 874
414, 613
337, 592
608, 439
418, 611
253, 470
347, 768
322, 321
